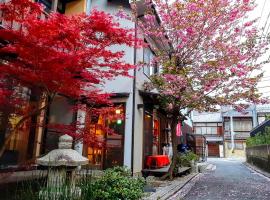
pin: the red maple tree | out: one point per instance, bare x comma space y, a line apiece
56, 54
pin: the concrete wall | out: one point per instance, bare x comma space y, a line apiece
236, 152
259, 156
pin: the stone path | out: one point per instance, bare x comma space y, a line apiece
231, 180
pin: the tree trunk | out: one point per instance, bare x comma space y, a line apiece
173, 124
3, 126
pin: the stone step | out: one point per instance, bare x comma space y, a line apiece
205, 167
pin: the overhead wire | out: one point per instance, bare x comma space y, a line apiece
263, 86
261, 13
266, 22
266, 77
267, 29
264, 80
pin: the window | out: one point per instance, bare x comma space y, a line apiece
261, 119
227, 126
237, 146
198, 130
242, 125
213, 130
149, 69
206, 130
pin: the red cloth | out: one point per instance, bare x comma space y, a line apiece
178, 130
157, 161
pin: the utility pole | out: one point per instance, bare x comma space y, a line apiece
254, 116
232, 129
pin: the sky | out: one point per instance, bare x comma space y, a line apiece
262, 11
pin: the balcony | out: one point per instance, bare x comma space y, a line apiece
213, 138
237, 135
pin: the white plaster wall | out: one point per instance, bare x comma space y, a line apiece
123, 84
120, 84
81, 117
138, 135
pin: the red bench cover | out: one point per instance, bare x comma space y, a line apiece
157, 161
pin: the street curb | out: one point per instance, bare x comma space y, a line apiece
256, 169
177, 193
168, 191
182, 186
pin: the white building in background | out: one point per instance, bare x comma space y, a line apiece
226, 131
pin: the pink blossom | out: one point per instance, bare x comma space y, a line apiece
237, 30
190, 31
233, 70
222, 68
192, 7
214, 49
123, 15
248, 24
233, 14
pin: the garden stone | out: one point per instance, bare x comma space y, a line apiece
61, 164
194, 166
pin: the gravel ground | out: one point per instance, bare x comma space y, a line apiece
231, 180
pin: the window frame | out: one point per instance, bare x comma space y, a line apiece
147, 64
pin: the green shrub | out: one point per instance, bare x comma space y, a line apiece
192, 156
183, 160
259, 139
115, 184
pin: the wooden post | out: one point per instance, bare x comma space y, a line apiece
54, 5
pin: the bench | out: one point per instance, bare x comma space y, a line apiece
164, 170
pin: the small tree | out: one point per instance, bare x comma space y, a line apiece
56, 54
210, 57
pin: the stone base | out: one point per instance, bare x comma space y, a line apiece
59, 193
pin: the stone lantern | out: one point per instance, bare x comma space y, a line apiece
61, 164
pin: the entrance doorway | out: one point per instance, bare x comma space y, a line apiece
108, 149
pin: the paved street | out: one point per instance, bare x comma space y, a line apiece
230, 181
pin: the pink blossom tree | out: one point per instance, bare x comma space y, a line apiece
211, 55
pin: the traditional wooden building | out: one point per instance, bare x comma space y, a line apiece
210, 126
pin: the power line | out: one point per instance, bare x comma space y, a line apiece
264, 86
261, 13
268, 16
267, 29
266, 79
